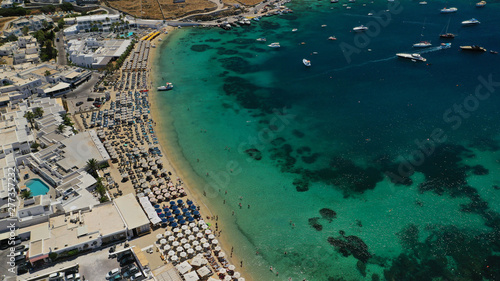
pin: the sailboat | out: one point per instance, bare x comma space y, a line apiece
447, 35
422, 44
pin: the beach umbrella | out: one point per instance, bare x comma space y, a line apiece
189, 202
159, 161
192, 225
222, 271
177, 212
176, 244
241, 279
166, 247
196, 243
211, 236
204, 226
190, 219
192, 207
187, 246
188, 232
199, 235
196, 213
179, 249
228, 278
144, 185
180, 235
208, 232
153, 200
163, 241
180, 202
171, 219
171, 238
236, 274
218, 248
164, 220
198, 248
183, 254
191, 237
190, 251
195, 229
176, 229
184, 210
221, 255
168, 233
184, 241
184, 227
203, 240
206, 245
168, 214
179, 217
175, 208
174, 224
215, 242
182, 221
162, 215
160, 197
174, 258
171, 253
187, 213
159, 236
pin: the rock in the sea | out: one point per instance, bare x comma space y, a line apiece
315, 224
254, 153
351, 245
328, 214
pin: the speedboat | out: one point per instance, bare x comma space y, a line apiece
448, 10
323, 25
473, 48
294, 30
472, 21
274, 45
413, 57
360, 28
262, 39
168, 86
306, 62
422, 44
444, 46
481, 4
447, 35
332, 38
493, 52
334, 1
422, 3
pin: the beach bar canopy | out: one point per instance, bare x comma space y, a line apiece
191, 276
150, 210
183, 267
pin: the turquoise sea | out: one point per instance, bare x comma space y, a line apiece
361, 167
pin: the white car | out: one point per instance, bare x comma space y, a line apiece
136, 276
112, 273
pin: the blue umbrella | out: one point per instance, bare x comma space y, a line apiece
196, 213
174, 224
189, 202
190, 219
172, 203
164, 220
187, 214
158, 210
180, 217
177, 212
192, 207
162, 215
166, 209
157, 206
184, 210
168, 214
171, 219
180, 202
182, 222
175, 207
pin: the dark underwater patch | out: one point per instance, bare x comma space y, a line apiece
236, 64
224, 51
328, 214
351, 245
485, 144
266, 25
200, 47
298, 133
212, 40
311, 158
314, 223
243, 90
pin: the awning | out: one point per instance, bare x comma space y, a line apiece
32, 260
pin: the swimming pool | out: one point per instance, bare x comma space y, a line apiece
37, 187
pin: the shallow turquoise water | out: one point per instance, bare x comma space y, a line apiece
37, 187
339, 136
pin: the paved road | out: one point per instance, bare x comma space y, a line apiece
81, 93
61, 52
110, 10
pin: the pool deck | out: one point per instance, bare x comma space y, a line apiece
32, 175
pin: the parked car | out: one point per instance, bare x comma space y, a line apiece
79, 103
112, 273
137, 276
126, 261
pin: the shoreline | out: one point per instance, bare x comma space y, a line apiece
173, 164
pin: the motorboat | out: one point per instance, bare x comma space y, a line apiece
481, 4
294, 30
422, 3
473, 48
472, 21
444, 46
360, 28
332, 38
448, 10
274, 45
334, 1
422, 44
493, 52
323, 25
262, 39
306, 62
168, 86
446, 34
413, 57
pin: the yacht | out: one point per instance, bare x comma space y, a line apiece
334, 1
332, 38
274, 45
472, 21
448, 10
422, 44
481, 4
447, 35
168, 86
262, 39
473, 48
360, 28
306, 62
444, 46
294, 30
413, 57
422, 3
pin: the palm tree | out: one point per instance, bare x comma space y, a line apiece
35, 146
60, 128
92, 166
38, 112
30, 117
25, 194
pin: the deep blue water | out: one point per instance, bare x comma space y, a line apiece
387, 168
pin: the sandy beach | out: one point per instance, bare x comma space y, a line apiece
175, 162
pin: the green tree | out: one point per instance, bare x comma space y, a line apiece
60, 128
30, 117
12, 38
25, 194
25, 30
60, 22
38, 112
92, 166
35, 146
66, 7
